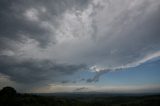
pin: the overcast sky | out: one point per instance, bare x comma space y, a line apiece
80, 45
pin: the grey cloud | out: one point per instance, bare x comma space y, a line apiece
120, 31
14, 24
65, 81
134, 39
97, 75
81, 89
128, 37
34, 71
68, 81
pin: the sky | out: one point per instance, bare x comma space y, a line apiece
49, 46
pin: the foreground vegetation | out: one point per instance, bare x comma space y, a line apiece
9, 97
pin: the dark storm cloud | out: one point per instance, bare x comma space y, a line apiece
34, 71
15, 28
14, 23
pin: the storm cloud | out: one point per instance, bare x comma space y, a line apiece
33, 71
44, 41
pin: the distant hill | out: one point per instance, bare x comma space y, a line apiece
9, 97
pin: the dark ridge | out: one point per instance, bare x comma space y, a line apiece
9, 97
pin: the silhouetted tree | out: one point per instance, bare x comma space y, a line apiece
8, 91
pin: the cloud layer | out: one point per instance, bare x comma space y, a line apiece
44, 41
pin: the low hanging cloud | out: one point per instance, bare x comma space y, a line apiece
81, 89
43, 41
34, 71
